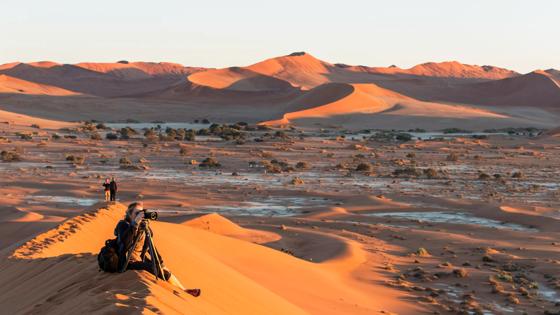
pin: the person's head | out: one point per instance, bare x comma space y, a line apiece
107, 180
133, 209
113, 178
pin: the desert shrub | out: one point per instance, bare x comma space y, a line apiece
75, 159
95, 136
364, 167
404, 137
150, 133
210, 162
297, 181
455, 130
452, 157
411, 155
35, 126
70, 137
285, 166
281, 135
422, 252
273, 168
190, 135
10, 156
517, 174
125, 161
430, 173
55, 136
342, 166
24, 136
111, 136
126, 132
205, 121
302, 165
407, 171
101, 126
183, 151
483, 176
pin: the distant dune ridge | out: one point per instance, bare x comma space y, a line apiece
289, 89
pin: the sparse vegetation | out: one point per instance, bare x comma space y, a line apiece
452, 157
111, 136
484, 176
302, 165
430, 173
10, 156
455, 130
210, 162
297, 181
364, 167
75, 159
24, 136
407, 171
126, 132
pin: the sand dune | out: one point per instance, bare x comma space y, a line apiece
25, 120
448, 69
216, 223
363, 98
238, 79
105, 80
56, 272
293, 87
13, 85
537, 89
138, 70
300, 69
367, 100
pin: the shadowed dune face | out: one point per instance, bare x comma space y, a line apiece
536, 89
17, 86
238, 79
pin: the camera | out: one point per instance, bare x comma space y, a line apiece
150, 215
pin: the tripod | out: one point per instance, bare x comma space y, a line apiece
144, 229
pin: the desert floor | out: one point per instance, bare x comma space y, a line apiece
359, 226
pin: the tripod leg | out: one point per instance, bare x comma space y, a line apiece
158, 270
130, 251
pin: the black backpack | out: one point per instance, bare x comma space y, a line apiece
108, 257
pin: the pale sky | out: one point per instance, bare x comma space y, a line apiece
520, 35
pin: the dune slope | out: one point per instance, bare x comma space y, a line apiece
56, 272
14, 85
362, 102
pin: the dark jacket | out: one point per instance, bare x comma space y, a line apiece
107, 186
113, 185
126, 233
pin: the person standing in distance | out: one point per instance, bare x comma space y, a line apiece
107, 189
113, 189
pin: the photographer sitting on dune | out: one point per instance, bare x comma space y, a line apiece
128, 233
